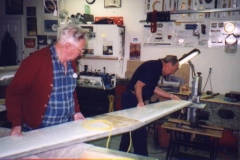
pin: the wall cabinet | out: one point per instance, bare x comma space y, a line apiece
104, 48
105, 41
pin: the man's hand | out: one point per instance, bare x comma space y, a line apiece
173, 97
78, 116
141, 104
16, 131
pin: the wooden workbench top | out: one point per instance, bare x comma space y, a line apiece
220, 99
184, 126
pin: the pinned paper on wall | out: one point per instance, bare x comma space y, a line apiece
89, 48
108, 48
135, 51
29, 42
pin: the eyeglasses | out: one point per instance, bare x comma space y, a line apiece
80, 50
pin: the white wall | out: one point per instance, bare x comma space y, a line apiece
225, 67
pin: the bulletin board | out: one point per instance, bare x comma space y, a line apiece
201, 30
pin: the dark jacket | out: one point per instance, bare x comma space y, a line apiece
8, 51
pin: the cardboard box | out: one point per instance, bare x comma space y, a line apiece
183, 72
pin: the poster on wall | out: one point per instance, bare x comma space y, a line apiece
29, 42
135, 51
108, 48
51, 40
14, 7
31, 26
41, 39
50, 26
31, 11
89, 47
50, 6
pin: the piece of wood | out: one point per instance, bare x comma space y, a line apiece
209, 96
219, 99
62, 135
188, 123
188, 129
133, 65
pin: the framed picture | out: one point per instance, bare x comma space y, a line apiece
50, 6
112, 3
31, 26
108, 50
14, 7
51, 40
41, 40
135, 51
50, 26
31, 11
29, 42
89, 51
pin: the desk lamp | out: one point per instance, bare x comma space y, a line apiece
192, 115
196, 84
187, 57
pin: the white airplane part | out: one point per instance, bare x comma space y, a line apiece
66, 134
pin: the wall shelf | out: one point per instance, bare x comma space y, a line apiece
206, 10
98, 57
202, 11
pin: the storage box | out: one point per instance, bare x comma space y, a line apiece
163, 137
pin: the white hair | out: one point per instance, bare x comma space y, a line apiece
72, 34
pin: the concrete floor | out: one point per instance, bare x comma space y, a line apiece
160, 153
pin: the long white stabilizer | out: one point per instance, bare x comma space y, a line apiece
54, 137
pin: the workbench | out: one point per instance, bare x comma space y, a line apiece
181, 129
217, 103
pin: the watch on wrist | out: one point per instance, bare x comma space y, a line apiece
90, 1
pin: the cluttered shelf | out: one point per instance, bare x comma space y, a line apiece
219, 98
98, 57
201, 11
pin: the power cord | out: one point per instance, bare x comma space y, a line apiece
87, 124
208, 78
192, 67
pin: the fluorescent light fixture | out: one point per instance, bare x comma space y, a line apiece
187, 57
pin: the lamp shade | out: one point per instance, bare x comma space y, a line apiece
186, 57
